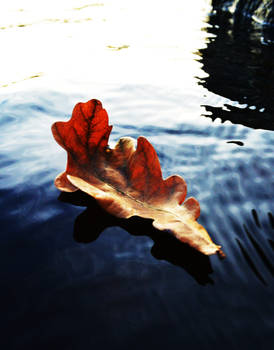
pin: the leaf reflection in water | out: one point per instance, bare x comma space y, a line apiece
94, 220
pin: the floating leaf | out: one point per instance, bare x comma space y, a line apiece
124, 180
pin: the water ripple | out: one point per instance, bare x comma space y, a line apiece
233, 183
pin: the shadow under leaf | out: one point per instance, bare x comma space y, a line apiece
94, 220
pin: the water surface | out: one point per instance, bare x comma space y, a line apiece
75, 277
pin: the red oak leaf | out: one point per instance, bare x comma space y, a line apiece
124, 180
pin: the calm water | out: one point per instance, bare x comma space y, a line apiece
201, 91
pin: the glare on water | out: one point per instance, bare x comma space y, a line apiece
111, 41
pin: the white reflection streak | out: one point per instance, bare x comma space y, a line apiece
71, 38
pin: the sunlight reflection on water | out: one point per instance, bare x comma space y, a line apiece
158, 41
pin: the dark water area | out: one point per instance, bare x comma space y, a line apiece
240, 66
75, 277
259, 10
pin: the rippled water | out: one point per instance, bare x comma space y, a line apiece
75, 277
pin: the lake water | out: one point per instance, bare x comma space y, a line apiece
200, 88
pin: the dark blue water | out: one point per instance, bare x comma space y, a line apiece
74, 277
